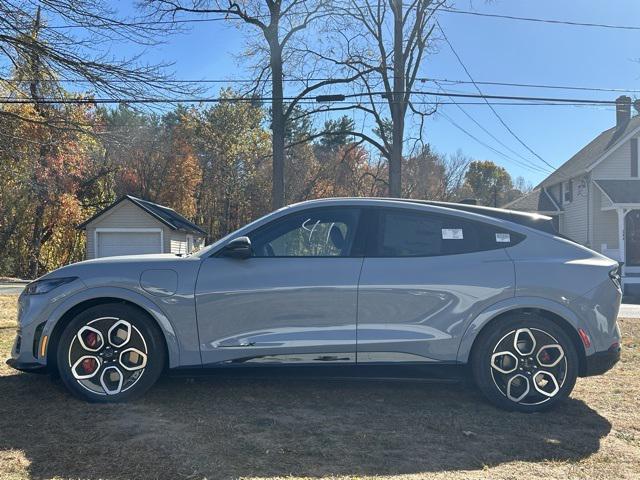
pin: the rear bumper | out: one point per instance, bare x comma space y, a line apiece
601, 362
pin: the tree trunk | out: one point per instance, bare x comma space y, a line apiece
277, 126
397, 110
36, 240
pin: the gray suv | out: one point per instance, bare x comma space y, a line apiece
364, 286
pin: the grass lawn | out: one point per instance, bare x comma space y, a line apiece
227, 428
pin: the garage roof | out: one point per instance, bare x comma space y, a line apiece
166, 215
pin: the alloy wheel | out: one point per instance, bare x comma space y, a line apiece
528, 366
108, 356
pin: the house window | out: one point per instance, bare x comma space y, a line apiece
567, 188
634, 157
189, 243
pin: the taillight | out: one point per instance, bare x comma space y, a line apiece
586, 341
616, 278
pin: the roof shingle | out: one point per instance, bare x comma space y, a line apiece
581, 161
621, 191
537, 200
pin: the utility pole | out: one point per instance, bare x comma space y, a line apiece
397, 110
35, 85
277, 116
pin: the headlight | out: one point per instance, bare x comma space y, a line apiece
40, 287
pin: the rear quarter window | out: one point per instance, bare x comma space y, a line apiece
417, 234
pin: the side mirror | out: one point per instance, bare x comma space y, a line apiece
237, 248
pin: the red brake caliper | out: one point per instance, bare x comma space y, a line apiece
92, 339
88, 365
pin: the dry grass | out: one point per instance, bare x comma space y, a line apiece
223, 428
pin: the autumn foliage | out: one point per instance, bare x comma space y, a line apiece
62, 164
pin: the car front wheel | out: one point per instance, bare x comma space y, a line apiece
525, 362
110, 353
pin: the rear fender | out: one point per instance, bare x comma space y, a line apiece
512, 304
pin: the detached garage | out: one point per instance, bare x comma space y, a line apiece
132, 226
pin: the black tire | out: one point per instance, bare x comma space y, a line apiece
134, 360
531, 371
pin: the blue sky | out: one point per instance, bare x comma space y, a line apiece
493, 50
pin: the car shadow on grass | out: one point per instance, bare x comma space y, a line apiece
230, 427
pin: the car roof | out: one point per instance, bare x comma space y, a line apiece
532, 220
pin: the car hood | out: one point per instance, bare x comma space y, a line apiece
150, 257
136, 263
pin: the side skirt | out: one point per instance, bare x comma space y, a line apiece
441, 372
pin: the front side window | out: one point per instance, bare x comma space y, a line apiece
327, 232
415, 234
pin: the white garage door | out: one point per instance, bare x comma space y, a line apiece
128, 243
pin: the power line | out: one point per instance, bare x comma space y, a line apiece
489, 133
530, 167
541, 20
304, 80
532, 85
442, 9
519, 99
585, 101
485, 98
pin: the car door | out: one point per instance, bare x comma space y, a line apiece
293, 301
425, 277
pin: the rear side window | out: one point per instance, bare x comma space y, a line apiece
404, 233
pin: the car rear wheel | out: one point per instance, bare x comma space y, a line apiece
110, 353
524, 362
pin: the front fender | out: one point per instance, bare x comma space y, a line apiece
173, 347
516, 303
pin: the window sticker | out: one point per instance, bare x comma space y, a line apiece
503, 238
452, 234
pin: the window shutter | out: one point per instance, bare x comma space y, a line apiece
634, 157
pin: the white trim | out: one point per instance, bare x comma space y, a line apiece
126, 230
189, 248
622, 246
631, 179
637, 161
626, 206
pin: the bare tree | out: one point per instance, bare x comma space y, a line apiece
73, 39
283, 24
385, 42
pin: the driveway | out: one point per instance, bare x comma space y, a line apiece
629, 310
11, 288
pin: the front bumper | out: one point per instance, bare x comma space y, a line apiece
601, 362
26, 367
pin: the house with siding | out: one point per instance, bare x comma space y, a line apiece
594, 197
133, 226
